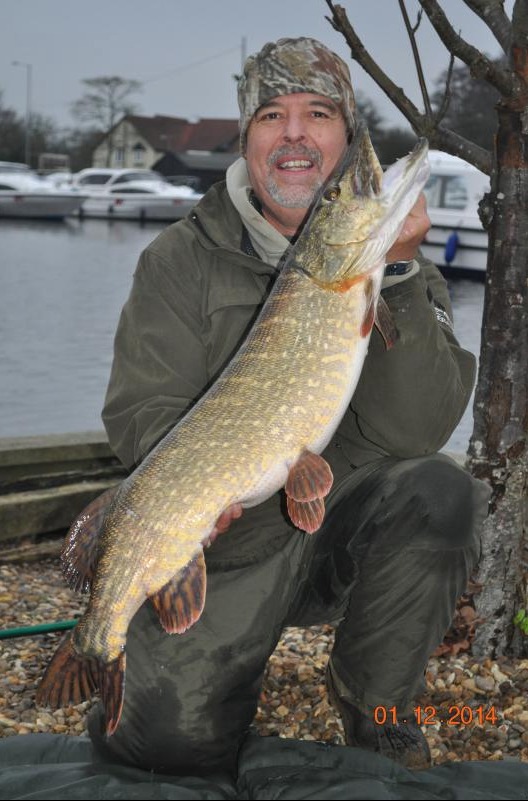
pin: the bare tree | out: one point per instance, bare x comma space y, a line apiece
11, 134
497, 451
470, 102
106, 100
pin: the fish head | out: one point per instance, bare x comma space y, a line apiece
359, 212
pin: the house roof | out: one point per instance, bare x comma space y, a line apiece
215, 135
176, 134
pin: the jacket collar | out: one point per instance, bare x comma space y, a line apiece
218, 225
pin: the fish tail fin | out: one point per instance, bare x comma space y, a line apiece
71, 679
112, 689
68, 679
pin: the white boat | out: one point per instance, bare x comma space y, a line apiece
24, 194
456, 239
132, 195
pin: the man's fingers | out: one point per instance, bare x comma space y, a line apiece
412, 234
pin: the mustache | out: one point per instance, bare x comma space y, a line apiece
299, 151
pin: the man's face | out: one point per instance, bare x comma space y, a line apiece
293, 144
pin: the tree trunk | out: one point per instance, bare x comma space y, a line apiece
497, 451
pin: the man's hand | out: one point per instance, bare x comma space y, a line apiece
412, 234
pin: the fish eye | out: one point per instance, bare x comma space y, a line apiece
332, 193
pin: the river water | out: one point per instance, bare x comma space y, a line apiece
62, 286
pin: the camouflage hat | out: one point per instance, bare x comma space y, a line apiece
293, 65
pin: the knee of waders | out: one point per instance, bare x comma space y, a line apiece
450, 502
161, 746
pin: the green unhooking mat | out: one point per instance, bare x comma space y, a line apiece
48, 766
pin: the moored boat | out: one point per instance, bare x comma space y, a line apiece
129, 194
24, 194
456, 241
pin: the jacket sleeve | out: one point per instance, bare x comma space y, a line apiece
159, 365
410, 398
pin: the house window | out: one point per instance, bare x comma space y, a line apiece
138, 152
119, 155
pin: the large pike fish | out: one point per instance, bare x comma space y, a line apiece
259, 428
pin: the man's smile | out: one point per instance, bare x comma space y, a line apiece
295, 164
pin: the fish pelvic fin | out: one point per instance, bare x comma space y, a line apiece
180, 602
309, 481
79, 554
68, 679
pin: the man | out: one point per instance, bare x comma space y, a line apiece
400, 535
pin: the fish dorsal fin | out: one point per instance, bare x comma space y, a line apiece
79, 554
180, 602
309, 481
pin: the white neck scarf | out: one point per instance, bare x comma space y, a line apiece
267, 241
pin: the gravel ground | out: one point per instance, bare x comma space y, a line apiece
486, 702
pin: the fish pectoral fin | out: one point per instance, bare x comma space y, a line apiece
68, 679
79, 554
307, 515
309, 481
180, 602
370, 309
385, 324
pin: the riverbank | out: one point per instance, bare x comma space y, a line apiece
483, 705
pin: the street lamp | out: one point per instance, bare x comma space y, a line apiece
29, 69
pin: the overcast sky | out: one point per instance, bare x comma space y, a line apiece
186, 51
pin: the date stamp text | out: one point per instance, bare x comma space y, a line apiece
430, 715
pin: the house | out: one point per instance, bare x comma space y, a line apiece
206, 166
171, 145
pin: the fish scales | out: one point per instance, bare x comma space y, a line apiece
266, 434
259, 427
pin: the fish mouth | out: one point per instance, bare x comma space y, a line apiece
404, 172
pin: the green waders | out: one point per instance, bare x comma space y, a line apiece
395, 551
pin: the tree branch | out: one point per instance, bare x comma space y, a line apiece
479, 65
416, 55
422, 124
451, 142
447, 94
493, 14
359, 53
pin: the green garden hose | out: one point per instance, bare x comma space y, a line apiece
41, 628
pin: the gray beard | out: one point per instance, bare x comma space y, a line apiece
293, 197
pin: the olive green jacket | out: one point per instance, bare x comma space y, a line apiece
196, 294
